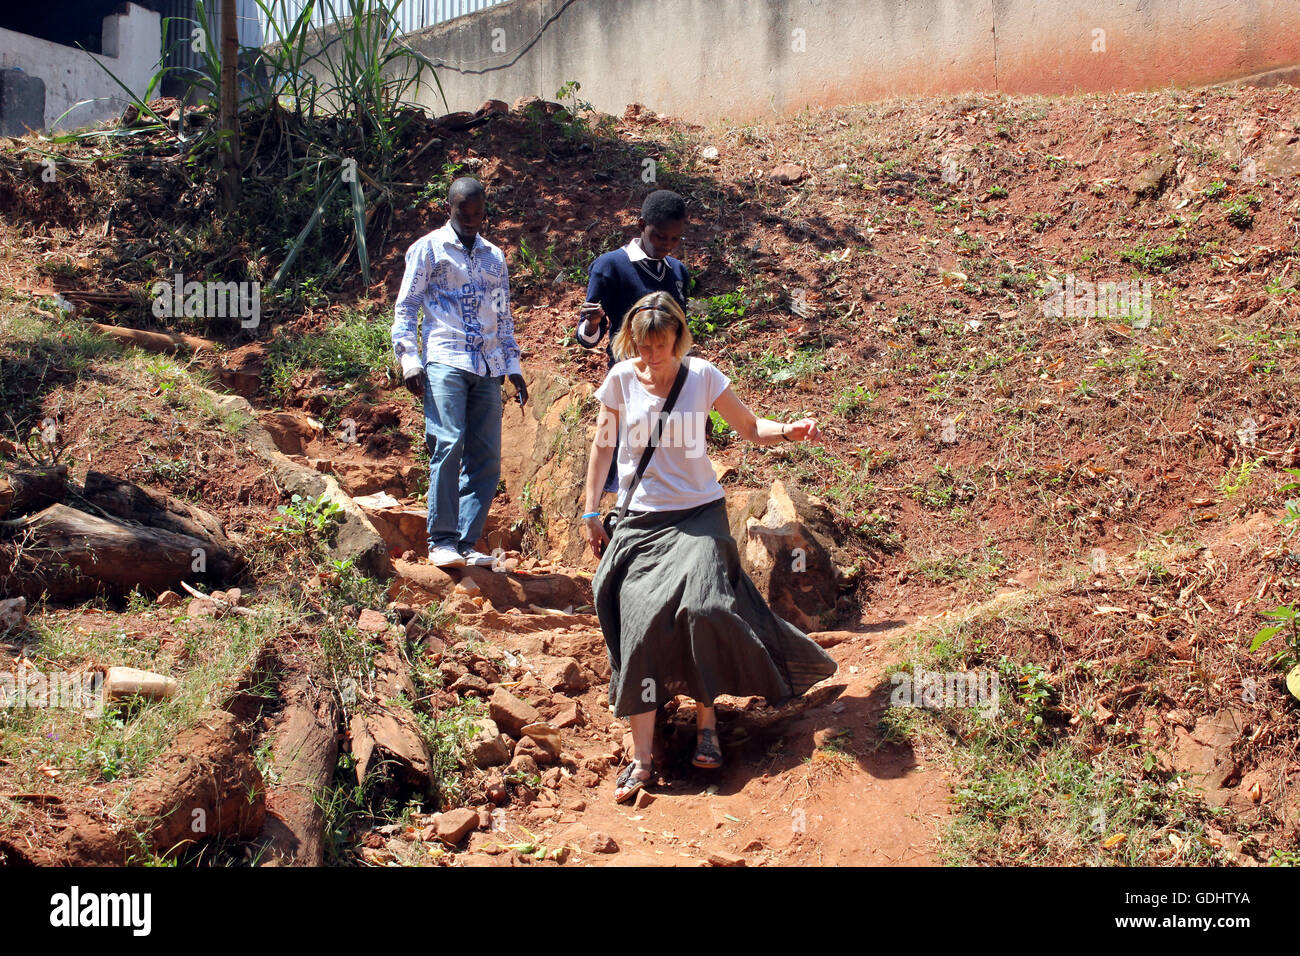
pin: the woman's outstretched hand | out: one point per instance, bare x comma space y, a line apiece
805, 429
594, 532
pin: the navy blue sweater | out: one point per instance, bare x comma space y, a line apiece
616, 282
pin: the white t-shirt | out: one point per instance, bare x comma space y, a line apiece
679, 474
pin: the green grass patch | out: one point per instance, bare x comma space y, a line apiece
348, 351
1029, 788
124, 739
1150, 258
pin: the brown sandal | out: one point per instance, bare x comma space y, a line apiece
708, 755
630, 780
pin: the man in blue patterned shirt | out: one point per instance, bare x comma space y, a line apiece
465, 349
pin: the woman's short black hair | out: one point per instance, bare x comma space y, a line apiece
663, 206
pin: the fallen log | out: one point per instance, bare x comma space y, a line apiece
205, 784
128, 501
72, 555
167, 343
385, 736
304, 754
29, 488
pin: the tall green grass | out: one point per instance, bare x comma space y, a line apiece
330, 107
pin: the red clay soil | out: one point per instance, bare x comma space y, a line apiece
898, 280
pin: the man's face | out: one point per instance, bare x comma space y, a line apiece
467, 216
659, 241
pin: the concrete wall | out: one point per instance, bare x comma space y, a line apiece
710, 59
132, 44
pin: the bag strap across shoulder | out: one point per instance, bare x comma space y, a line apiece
654, 440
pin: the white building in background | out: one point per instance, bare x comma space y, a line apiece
410, 14
48, 82
56, 56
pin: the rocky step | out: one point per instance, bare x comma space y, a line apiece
403, 524
548, 744
471, 590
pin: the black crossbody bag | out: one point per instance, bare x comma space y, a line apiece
611, 520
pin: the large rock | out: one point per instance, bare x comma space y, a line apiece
356, 537
512, 714
452, 826
1204, 754
368, 477
786, 549
546, 737
564, 675
416, 582
569, 715
488, 747
583, 641
533, 748
292, 432
404, 527
544, 449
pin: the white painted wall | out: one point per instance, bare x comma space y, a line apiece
132, 44
705, 60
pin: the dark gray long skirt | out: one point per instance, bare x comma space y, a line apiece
681, 616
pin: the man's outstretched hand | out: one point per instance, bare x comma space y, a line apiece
415, 384
521, 390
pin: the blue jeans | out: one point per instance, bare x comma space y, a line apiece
462, 428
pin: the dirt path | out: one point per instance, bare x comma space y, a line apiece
815, 783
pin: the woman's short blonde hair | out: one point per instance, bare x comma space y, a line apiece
655, 315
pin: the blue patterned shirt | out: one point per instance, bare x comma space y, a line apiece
466, 303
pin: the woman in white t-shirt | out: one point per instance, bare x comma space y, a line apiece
679, 614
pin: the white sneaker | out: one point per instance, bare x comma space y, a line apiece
477, 559
446, 558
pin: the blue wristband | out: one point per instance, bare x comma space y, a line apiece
591, 514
